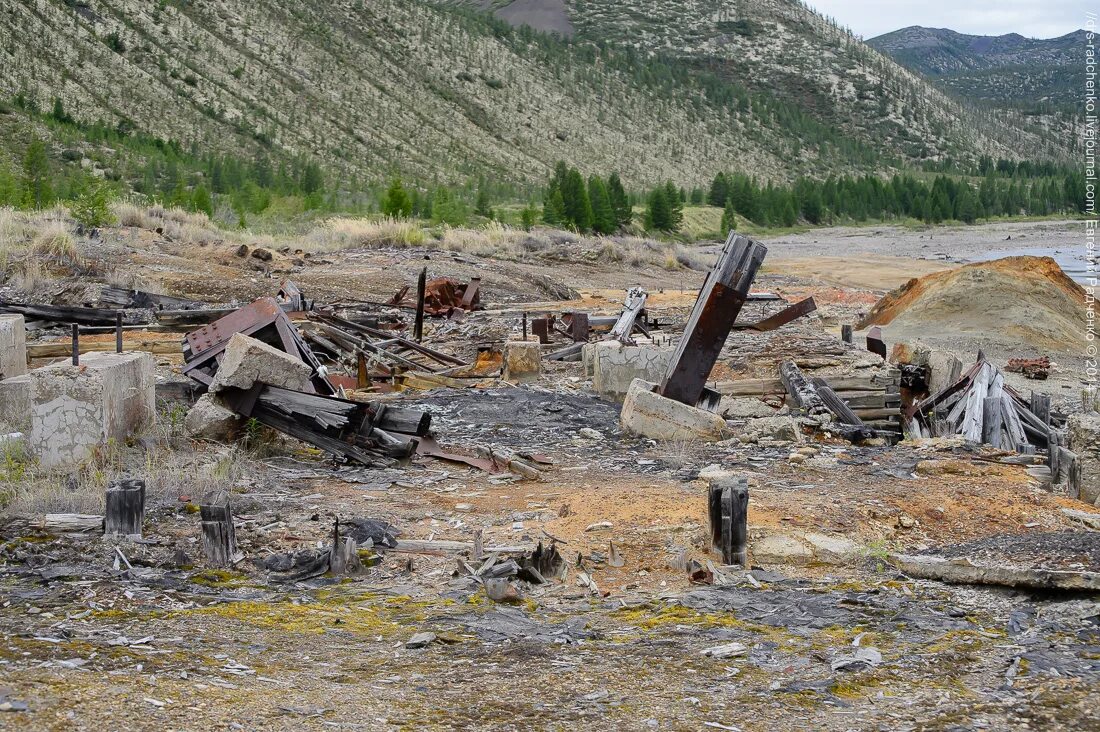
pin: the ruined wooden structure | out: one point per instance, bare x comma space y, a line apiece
716, 309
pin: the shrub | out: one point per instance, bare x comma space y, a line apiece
92, 209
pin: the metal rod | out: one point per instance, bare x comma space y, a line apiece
76, 344
418, 327
118, 332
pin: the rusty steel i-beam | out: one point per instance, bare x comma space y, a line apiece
716, 309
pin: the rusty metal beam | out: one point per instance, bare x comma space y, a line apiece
784, 316
716, 309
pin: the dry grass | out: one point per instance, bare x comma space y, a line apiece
344, 233
56, 245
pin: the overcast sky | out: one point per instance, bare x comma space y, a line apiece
1033, 18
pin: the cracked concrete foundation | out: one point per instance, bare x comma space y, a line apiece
651, 415
67, 412
13, 346
613, 366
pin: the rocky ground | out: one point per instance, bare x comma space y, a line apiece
823, 632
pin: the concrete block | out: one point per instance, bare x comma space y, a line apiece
1083, 439
651, 415
13, 346
744, 408
614, 366
944, 369
208, 420
76, 409
15, 404
522, 360
248, 360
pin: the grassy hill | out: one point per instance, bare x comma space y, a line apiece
443, 94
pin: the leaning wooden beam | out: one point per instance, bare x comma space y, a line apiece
716, 309
632, 308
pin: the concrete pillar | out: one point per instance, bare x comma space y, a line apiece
614, 366
13, 346
522, 360
75, 410
1084, 440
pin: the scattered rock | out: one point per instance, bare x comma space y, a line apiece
262, 254
590, 434
862, 659
728, 650
420, 640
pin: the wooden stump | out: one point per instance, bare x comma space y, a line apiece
219, 541
729, 510
125, 508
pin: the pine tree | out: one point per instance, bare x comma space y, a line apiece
675, 206
574, 194
528, 216
482, 207
729, 218
719, 191
658, 215
553, 209
603, 215
620, 202
36, 176
396, 201
966, 206
201, 201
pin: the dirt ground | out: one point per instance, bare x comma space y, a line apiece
624, 639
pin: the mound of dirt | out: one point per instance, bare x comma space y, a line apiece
1023, 300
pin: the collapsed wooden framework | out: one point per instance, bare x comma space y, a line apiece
981, 407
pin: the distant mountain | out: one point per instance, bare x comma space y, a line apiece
1008, 69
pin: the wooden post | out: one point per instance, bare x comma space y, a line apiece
846, 333
118, 332
991, 421
1040, 407
418, 326
76, 344
728, 501
125, 508
525, 325
362, 379
219, 541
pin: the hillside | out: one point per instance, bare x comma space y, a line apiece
1008, 68
441, 94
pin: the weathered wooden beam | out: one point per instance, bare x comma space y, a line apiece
716, 309
219, 538
125, 508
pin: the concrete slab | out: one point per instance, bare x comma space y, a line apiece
522, 360
13, 346
615, 365
76, 409
652, 415
248, 360
1084, 439
15, 404
209, 420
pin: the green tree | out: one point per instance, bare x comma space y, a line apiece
482, 207
620, 202
675, 198
528, 216
36, 176
92, 208
447, 209
719, 191
603, 215
574, 194
396, 201
658, 215
553, 209
201, 201
729, 218
966, 205
312, 180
